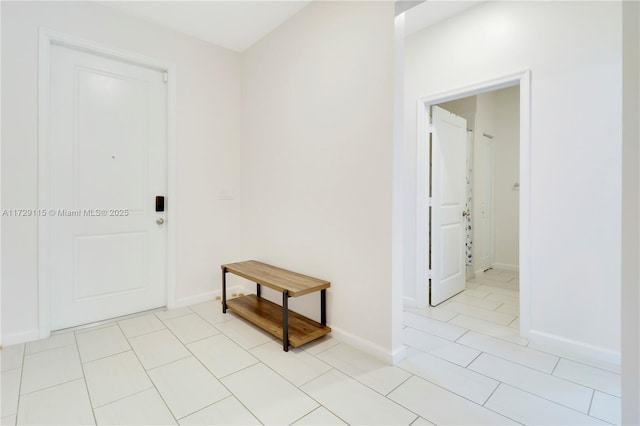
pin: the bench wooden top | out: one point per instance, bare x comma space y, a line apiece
277, 278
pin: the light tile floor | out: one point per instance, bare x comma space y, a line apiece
465, 364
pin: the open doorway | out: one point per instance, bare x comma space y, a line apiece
489, 212
491, 209
497, 249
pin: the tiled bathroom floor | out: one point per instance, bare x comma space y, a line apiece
465, 364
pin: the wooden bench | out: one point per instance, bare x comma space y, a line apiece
294, 329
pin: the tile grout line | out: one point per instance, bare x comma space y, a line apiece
325, 349
450, 319
514, 362
106, 356
197, 340
400, 384
593, 395
497, 412
218, 331
460, 337
551, 401
311, 412
231, 396
213, 375
449, 390
52, 386
84, 378
151, 380
178, 316
528, 391
409, 410
590, 387
576, 361
296, 386
492, 378
285, 379
209, 322
322, 405
526, 366
492, 392
459, 396
418, 418
258, 361
541, 372
360, 381
24, 349
166, 363
146, 333
269, 335
49, 349
473, 360
122, 398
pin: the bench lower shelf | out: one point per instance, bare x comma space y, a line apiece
268, 316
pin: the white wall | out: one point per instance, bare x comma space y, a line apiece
506, 161
464, 107
317, 160
208, 147
575, 63
631, 216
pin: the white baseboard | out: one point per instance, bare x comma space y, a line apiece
207, 296
376, 351
577, 351
506, 267
23, 337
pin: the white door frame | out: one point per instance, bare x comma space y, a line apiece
523, 78
47, 38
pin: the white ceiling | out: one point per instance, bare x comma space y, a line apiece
238, 24
235, 25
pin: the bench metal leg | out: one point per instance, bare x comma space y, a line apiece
224, 290
258, 290
323, 307
285, 320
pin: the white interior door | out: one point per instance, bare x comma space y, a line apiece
107, 163
448, 183
483, 218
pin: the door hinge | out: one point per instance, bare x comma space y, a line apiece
429, 201
165, 76
430, 128
429, 274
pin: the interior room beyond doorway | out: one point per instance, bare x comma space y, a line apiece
491, 240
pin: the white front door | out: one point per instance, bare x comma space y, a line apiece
107, 163
448, 183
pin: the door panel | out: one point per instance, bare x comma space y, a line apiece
121, 260
111, 122
448, 162
107, 162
